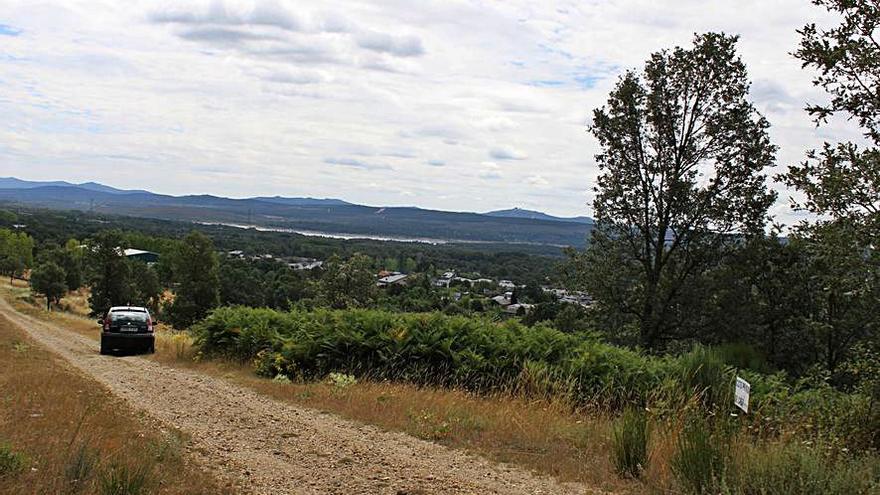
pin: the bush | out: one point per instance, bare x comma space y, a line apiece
629, 443
429, 348
700, 458
11, 462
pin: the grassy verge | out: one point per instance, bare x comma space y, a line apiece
61, 432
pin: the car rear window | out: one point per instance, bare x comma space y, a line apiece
128, 316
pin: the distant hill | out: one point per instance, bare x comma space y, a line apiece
303, 201
13, 183
536, 215
331, 216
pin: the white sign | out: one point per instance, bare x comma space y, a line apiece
741, 397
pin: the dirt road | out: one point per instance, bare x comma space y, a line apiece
268, 447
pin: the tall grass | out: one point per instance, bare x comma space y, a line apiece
700, 459
704, 376
629, 443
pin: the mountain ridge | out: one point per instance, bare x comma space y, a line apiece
326, 215
536, 215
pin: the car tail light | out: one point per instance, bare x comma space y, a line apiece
107, 323
149, 323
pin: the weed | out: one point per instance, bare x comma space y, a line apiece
629, 443
11, 462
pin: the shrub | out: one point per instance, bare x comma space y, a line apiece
700, 458
11, 462
427, 348
629, 443
122, 479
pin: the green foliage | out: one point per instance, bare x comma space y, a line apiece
145, 287
703, 375
11, 462
49, 280
842, 180
701, 459
475, 353
69, 258
196, 271
348, 283
7, 218
16, 253
629, 443
686, 112
110, 280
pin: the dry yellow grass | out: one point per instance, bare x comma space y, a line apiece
72, 432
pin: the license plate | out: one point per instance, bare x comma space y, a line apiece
129, 329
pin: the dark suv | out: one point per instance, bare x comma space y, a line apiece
127, 328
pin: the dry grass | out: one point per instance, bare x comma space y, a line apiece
73, 434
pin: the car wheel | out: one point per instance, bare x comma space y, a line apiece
104, 352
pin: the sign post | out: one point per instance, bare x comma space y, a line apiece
741, 395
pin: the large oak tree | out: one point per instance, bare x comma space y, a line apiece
682, 160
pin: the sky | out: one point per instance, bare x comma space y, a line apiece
465, 105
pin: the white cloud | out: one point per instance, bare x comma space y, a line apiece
261, 97
259, 13
507, 153
400, 46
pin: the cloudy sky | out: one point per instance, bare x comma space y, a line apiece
448, 104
